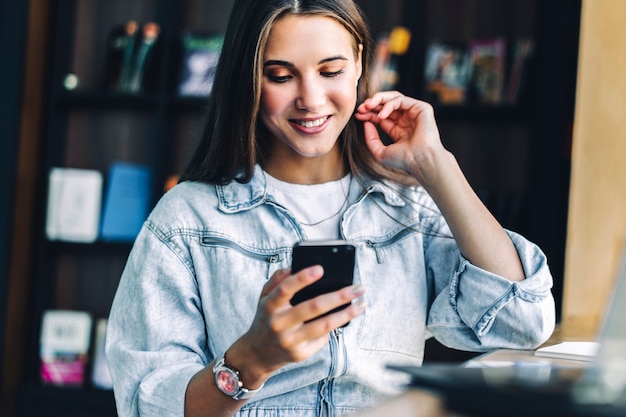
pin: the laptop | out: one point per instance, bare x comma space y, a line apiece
540, 388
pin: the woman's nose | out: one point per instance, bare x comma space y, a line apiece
311, 95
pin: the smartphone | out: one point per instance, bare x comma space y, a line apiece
337, 257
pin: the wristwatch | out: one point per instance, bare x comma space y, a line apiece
227, 380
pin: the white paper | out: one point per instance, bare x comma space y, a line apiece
74, 204
570, 350
65, 331
100, 375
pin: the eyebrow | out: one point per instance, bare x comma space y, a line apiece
290, 64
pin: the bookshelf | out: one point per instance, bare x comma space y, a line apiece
515, 155
89, 126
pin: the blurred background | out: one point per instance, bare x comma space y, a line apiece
102, 105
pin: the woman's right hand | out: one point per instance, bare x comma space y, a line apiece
282, 333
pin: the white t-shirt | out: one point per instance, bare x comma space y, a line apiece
318, 207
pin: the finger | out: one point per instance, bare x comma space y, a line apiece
342, 317
278, 277
373, 141
374, 103
313, 335
290, 285
389, 106
311, 310
368, 117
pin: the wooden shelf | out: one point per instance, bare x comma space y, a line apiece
504, 113
103, 101
39, 400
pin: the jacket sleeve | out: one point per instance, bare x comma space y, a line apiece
154, 340
476, 310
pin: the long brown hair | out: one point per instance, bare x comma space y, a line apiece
234, 140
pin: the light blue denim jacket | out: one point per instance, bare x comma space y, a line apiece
193, 279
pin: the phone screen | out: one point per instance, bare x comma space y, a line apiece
337, 257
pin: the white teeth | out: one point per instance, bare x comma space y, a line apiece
313, 123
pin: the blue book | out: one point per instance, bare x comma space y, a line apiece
126, 202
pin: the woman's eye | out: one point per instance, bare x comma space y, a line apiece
331, 74
279, 78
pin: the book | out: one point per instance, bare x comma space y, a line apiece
74, 204
447, 72
120, 51
488, 70
126, 202
582, 351
142, 63
64, 345
100, 375
199, 60
391, 47
522, 53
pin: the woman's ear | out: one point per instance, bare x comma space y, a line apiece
359, 63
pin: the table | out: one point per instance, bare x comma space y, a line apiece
421, 403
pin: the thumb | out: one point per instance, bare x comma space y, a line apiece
373, 141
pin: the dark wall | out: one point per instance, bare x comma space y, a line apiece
13, 22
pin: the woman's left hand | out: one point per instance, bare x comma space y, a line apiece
410, 123
417, 149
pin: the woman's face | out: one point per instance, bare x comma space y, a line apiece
309, 86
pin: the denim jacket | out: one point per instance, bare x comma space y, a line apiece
193, 279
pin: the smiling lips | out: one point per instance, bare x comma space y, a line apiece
309, 124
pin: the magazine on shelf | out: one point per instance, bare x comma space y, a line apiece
73, 209
488, 70
391, 47
199, 60
64, 345
100, 375
447, 72
522, 53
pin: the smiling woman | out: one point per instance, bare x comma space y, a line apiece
308, 95
202, 322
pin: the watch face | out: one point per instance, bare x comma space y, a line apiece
227, 381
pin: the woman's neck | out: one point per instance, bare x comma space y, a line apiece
306, 170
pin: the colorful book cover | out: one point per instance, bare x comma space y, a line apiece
447, 72
64, 346
200, 57
127, 201
488, 70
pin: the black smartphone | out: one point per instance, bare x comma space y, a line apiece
337, 257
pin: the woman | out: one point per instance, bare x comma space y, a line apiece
202, 322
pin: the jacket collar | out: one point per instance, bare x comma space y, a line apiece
234, 196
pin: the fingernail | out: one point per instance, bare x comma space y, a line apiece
358, 289
360, 303
316, 270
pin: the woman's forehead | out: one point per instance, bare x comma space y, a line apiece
307, 34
